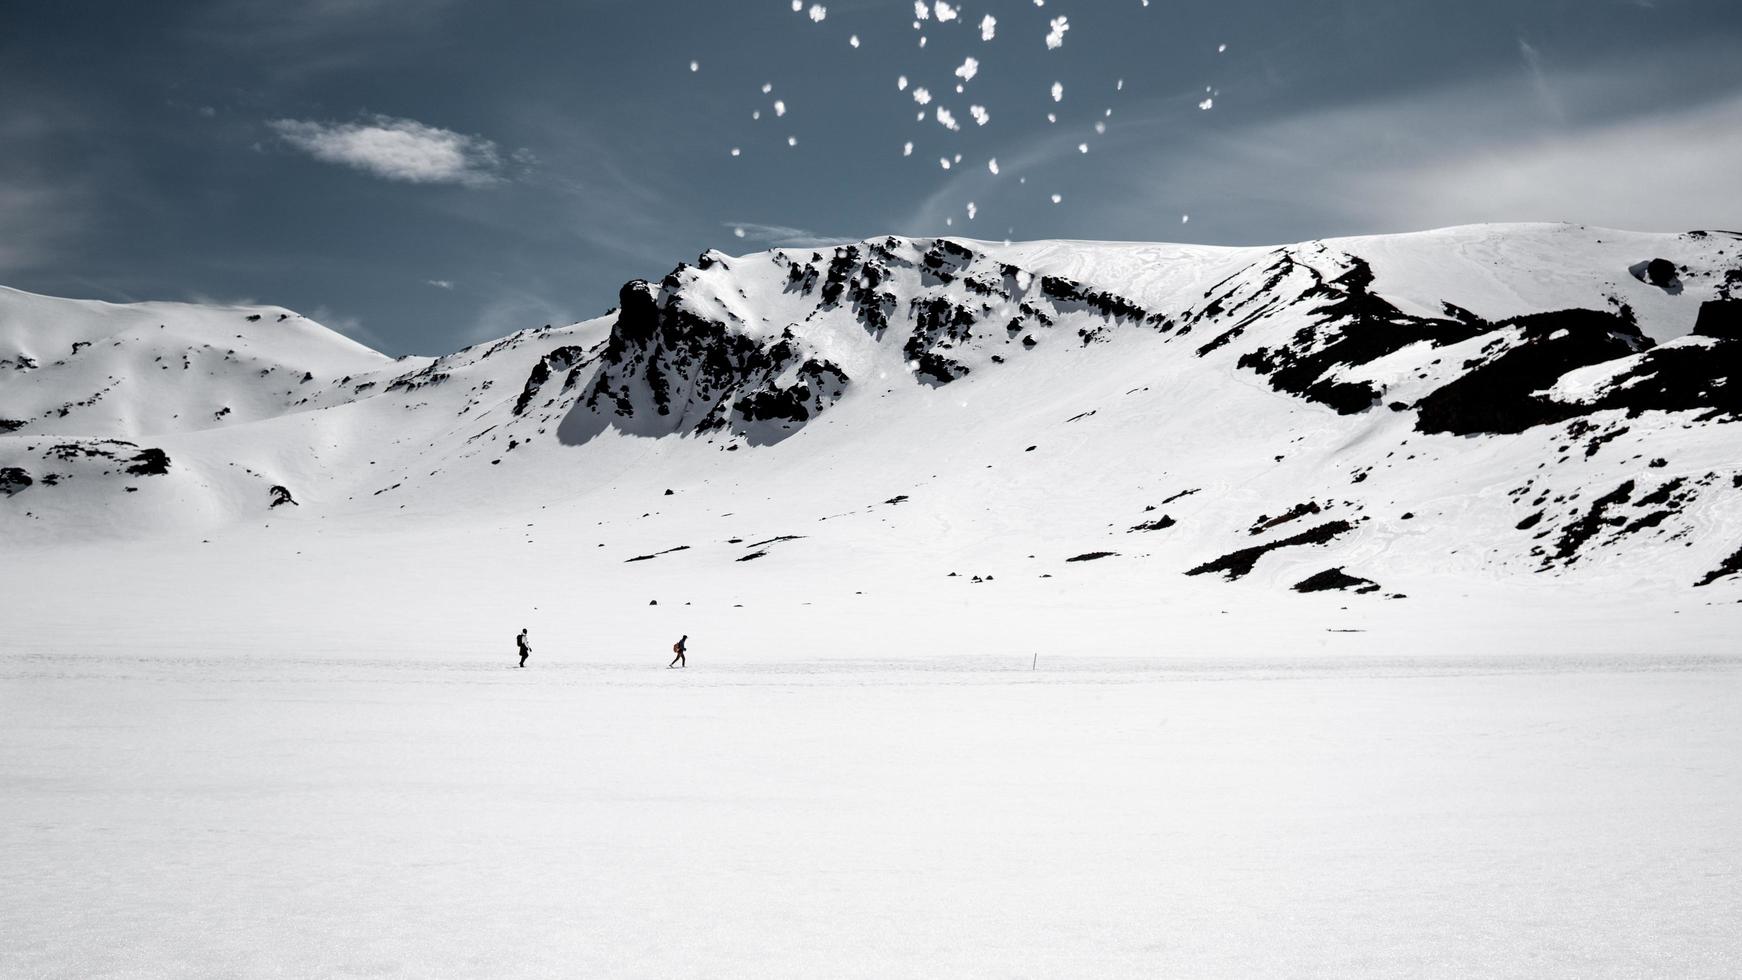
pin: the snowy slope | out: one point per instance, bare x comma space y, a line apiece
1400, 415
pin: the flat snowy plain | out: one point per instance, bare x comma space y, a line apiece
218, 812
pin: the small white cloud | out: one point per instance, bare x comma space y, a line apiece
440, 283
397, 149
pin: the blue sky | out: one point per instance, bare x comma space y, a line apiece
423, 174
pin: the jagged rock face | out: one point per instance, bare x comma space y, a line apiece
691, 355
669, 368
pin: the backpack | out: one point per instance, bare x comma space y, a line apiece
677, 647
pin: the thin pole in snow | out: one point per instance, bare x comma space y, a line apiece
1036, 662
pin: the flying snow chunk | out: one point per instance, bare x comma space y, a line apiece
921, 10
695, 66
972, 210
970, 68
736, 151
1082, 147
1100, 128
739, 232
901, 84
1055, 38
1207, 104
988, 27
1221, 49
944, 162
1058, 92
944, 11
792, 141
947, 119
907, 150
922, 95
779, 107
797, 6
818, 12
1058, 198
981, 116
1185, 219
767, 87
992, 165
854, 40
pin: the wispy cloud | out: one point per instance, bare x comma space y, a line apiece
782, 235
1545, 92
398, 149
440, 283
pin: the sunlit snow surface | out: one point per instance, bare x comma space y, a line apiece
237, 809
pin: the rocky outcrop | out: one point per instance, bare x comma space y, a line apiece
1501, 389
13, 480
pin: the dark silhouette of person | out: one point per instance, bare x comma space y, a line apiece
678, 648
525, 647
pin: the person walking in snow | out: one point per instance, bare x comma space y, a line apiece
525, 647
678, 648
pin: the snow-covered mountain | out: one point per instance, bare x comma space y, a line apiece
1381, 415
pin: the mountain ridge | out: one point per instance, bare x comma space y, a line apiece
1348, 383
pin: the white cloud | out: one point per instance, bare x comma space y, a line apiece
397, 149
440, 283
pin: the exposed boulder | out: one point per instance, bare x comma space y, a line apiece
1336, 579
280, 496
149, 462
13, 480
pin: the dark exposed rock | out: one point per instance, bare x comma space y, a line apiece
1355, 326
668, 551
14, 479
11, 425
1720, 318
1238, 564
280, 496
1499, 391
1294, 513
1336, 579
558, 361
150, 462
1689, 375
1159, 524
1576, 534
1731, 566
1094, 556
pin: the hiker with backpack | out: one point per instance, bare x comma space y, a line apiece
525, 646
678, 648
